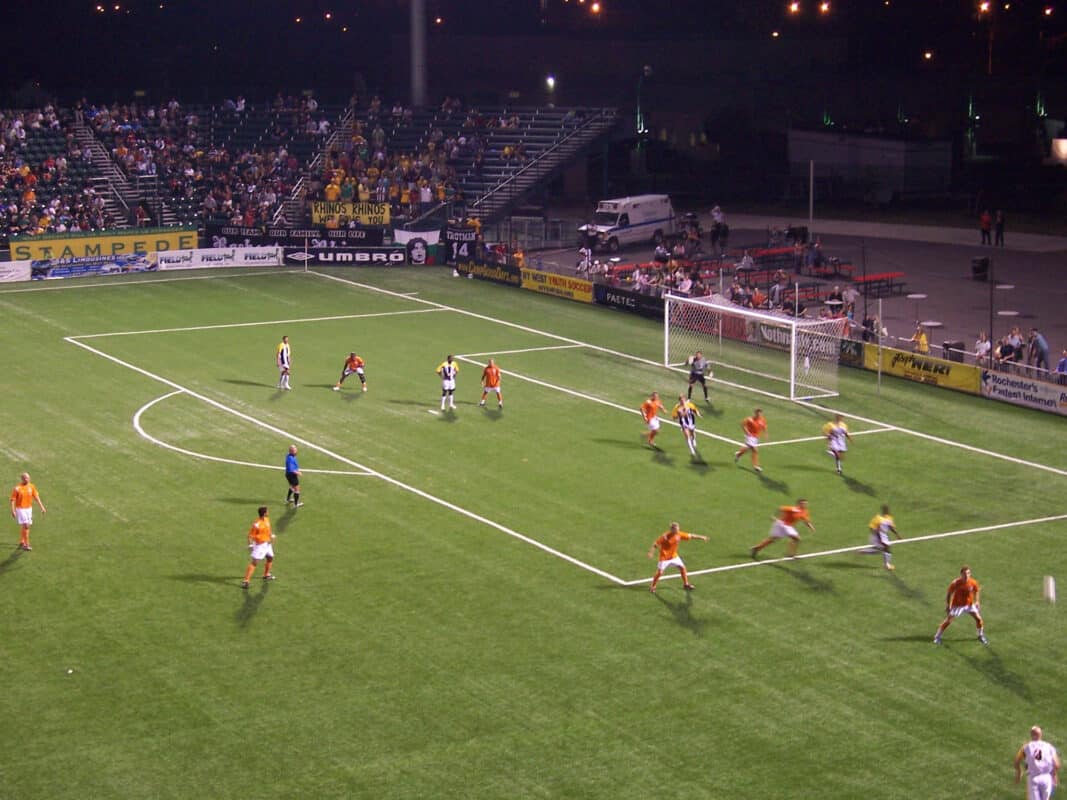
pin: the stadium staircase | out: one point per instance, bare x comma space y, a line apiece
110, 182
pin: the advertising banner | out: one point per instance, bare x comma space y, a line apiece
51, 268
14, 271
403, 237
924, 369
495, 273
360, 213
557, 285
348, 256
270, 236
1024, 392
220, 257
102, 243
462, 246
625, 300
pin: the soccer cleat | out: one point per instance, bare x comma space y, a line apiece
754, 552
689, 587
982, 639
25, 547
298, 505
758, 469
937, 638
268, 577
737, 457
482, 403
500, 404
652, 589
244, 584
364, 387
337, 388
890, 567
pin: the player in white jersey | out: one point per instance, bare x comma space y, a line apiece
448, 369
1042, 766
837, 439
283, 359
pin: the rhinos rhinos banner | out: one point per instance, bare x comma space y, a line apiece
223, 257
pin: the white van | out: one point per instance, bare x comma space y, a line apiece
645, 218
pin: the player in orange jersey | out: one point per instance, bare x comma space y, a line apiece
22, 497
754, 427
491, 383
784, 527
667, 544
261, 543
352, 364
650, 412
962, 598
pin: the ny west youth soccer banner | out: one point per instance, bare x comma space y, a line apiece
360, 213
103, 243
923, 368
557, 285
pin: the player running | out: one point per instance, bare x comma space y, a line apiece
284, 358
962, 598
448, 369
754, 427
352, 364
699, 372
686, 413
880, 526
837, 439
491, 383
261, 545
667, 544
784, 527
650, 413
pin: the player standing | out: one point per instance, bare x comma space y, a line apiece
1042, 766
962, 598
667, 544
491, 383
837, 439
650, 413
784, 527
292, 475
754, 427
699, 372
686, 413
448, 369
284, 360
880, 526
352, 364
22, 497
261, 543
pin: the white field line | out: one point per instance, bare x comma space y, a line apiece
67, 286
257, 324
318, 448
591, 398
857, 548
523, 350
145, 435
823, 438
927, 436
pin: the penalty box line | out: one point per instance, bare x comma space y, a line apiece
855, 549
557, 337
344, 460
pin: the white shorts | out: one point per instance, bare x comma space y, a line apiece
959, 611
1039, 787
357, 370
839, 448
492, 389
261, 550
687, 426
879, 539
670, 562
448, 385
751, 441
283, 368
653, 424
779, 530
24, 516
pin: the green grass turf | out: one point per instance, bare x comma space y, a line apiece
409, 649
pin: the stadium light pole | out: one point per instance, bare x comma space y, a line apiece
646, 72
418, 52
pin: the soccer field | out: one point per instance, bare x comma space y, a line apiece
461, 608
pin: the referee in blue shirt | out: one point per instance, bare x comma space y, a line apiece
292, 474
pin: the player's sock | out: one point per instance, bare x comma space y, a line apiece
887, 560
289, 495
296, 498
442, 402
249, 571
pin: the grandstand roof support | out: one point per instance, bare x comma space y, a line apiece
418, 52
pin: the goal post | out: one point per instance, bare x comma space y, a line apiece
796, 358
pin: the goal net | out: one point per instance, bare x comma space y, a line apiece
765, 350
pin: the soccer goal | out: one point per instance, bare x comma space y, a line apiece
796, 358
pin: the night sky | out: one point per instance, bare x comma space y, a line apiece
215, 48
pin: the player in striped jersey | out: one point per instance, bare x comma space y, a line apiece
284, 360
448, 369
686, 413
837, 439
880, 526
